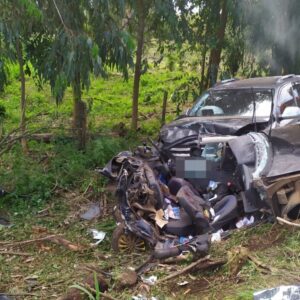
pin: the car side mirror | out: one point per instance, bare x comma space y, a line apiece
291, 112
187, 112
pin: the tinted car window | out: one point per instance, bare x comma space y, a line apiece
233, 103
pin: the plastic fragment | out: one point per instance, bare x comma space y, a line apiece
97, 235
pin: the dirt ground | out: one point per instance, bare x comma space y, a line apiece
46, 269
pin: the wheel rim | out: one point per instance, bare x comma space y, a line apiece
129, 243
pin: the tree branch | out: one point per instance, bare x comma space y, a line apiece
62, 20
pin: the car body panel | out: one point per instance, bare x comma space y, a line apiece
208, 126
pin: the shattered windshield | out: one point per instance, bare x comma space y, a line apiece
233, 103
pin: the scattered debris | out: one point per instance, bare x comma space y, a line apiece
181, 194
217, 236
283, 292
92, 213
149, 280
244, 222
97, 235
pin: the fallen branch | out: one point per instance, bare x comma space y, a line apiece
57, 239
281, 220
211, 264
27, 242
8, 141
260, 265
15, 253
19, 294
61, 241
184, 270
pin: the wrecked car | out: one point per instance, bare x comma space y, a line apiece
176, 203
231, 107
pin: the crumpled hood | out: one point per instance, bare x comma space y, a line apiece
204, 125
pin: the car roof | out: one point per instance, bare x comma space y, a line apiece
256, 83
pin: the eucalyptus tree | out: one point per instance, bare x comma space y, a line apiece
158, 19
19, 19
220, 16
202, 18
220, 31
86, 37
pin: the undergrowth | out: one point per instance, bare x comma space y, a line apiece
32, 179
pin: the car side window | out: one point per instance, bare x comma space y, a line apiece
287, 97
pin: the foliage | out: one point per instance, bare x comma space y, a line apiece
188, 90
3, 74
86, 38
58, 166
19, 19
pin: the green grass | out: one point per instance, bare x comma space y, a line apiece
31, 179
55, 176
109, 101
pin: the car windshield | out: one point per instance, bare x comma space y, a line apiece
233, 103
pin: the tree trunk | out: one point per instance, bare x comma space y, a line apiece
203, 59
23, 96
138, 62
79, 115
215, 54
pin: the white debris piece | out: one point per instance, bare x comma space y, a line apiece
182, 283
150, 280
245, 222
97, 235
141, 297
217, 236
